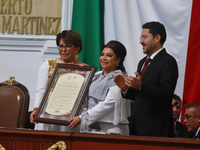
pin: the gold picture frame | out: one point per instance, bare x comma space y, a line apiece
65, 94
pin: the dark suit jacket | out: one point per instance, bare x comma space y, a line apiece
153, 103
196, 137
181, 130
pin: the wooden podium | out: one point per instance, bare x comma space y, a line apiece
15, 139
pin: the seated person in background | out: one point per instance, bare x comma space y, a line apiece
180, 130
192, 119
69, 44
107, 110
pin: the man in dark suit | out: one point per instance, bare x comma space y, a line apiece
152, 89
180, 130
192, 119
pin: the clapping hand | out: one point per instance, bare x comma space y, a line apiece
134, 82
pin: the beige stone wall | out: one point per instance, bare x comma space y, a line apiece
32, 17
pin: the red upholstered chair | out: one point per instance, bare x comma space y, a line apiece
14, 103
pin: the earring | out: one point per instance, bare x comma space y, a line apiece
76, 57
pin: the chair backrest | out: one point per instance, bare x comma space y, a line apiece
14, 103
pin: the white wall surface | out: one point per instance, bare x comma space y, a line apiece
22, 55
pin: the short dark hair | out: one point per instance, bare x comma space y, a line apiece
58, 37
120, 52
176, 97
196, 107
156, 28
72, 37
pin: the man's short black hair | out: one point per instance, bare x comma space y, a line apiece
176, 97
156, 28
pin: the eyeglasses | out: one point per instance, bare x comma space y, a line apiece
67, 47
143, 37
189, 117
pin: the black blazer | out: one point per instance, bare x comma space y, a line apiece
196, 137
153, 103
181, 130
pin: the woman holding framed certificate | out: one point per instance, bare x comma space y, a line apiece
107, 110
69, 44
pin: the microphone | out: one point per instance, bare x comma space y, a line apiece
184, 101
182, 105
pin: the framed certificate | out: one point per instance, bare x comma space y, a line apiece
65, 94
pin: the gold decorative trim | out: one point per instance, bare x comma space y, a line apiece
58, 146
76, 57
12, 81
2, 148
